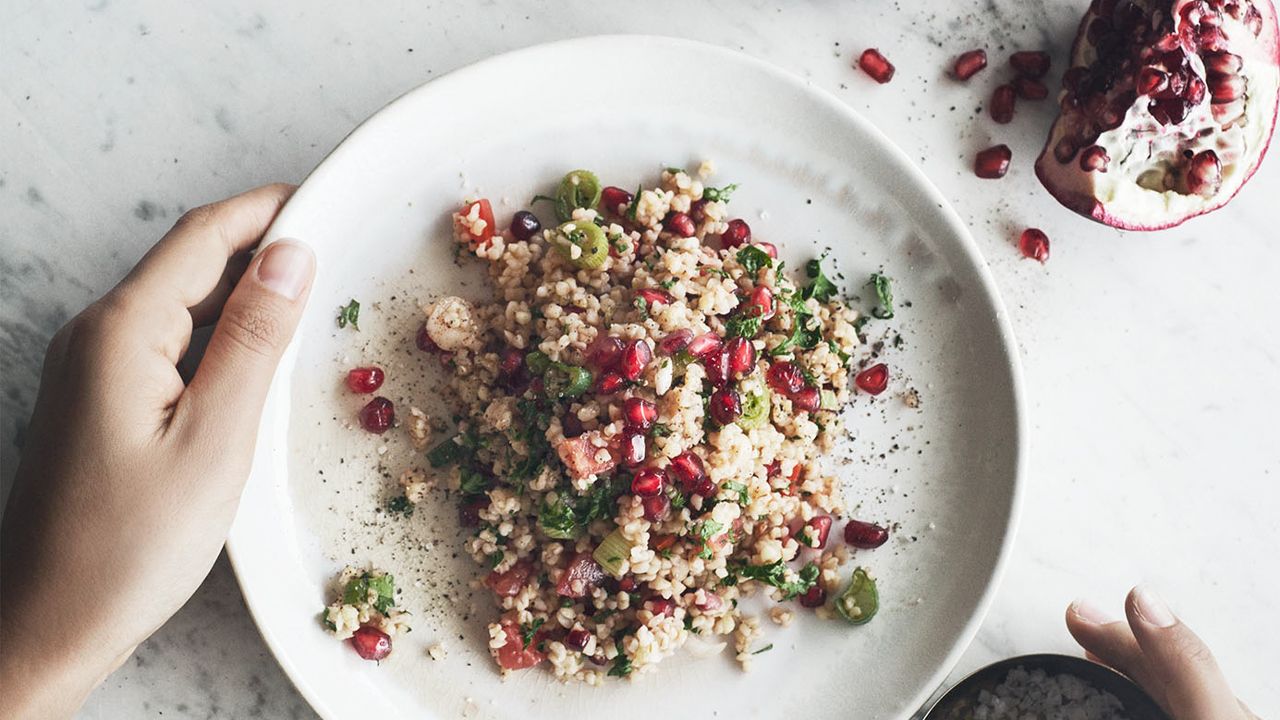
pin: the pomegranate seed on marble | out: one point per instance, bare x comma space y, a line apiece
1094, 158
742, 356
718, 367
577, 639
524, 225
873, 380
736, 235
424, 341
865, 535
365, 379
604, 352
661, 606
818, 528
679, 224
725, 405
648, 481
371, 643
814, 597
807, 399
635, 357
704, 345
1034, 244
614, 199
609, 383
654, 296
1002, 101
377, 415
1030, 89
992, 163
761, 303
656, 508
769, 249
876, 65
692, 474
638, 413
1030, 63
675, 342
968, 64
784, 377
634, 451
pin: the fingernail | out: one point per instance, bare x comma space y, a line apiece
285, 268
1152, 608
1090, 613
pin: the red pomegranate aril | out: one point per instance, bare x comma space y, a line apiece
725, 405
704, 345
634, 450
992, 163
679, 224
675, 342
1225, 88
609, 383
1030, 89
1094, 157
365, 379
627, 584
604, 352
524, 225
968, 64
718, 367
692, 474
1034, 244
742, 356
654, 297
818, 528
876, 65
761, 303
1002, 101
807, 399
1151, 81
511, 362
1030, 63
424, 341
377, 415
656, 508
698, 210
661, 606
814, 597
648, 481
577, 639
873, 380
1204, 173
865, 535
784, 377
638, 413
635, 357
614, 199
769, 249
737, 234
469, 513
371, 643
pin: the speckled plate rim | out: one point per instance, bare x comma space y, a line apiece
583, 47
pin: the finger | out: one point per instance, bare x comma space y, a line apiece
1179, 662
1108, 641
206, 311
224, 399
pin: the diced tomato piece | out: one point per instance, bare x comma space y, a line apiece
663, 542
485, 214
509, 583
514, 655
583, 574
582, 458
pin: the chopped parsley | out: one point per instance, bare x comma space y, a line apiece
495, 559
705, 530
527, 630
349, 315
775, 574
622, 663
635, 203
382, 587
884, 296
676, 497
752, 258
743, 326
743, 496
400, 504
822, 288
661, 430
764, 649
719, 194
643, 306
668, 283
326, 622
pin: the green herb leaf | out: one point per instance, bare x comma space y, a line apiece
494, 559
719, 194
766, 648
558, 520
528, 630
473, 482
446, 453
622, 663
325, 621
668, 283
349, 315
743, 326
884, 296
400, 504
752, 258
822, 288
775, 574
744, 496
661, 430
635, 203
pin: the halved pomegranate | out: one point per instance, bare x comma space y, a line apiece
1172, 101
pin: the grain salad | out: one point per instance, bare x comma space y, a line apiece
638, 417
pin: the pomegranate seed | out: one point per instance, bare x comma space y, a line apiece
1029, 89
635, 357
1151, 81
698, 210
864, 534
769, 249
1094, 157
1034, 244
469, 513
675, 342
424, 341
1225, 88
679, 224
807, 400
656, 508
371, 643
365, 379
1204, 174
639, 414
1002, 104
736, 235
818, 528
633, 449
511, 363
1030, 63
377, 415
814, 597
873, 380
609, 383
785, 377
577, 639
718, 367
627, 584
604, 352
704, 345
614, 199
692, 474
742, 356
725, 405
661, 606
968, 64
648, 481
761, 303
654, 297
524, 225
992, 163
876, 65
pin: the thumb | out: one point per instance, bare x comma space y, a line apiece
1178, 660
226, 394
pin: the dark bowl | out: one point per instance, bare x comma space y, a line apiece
958, 702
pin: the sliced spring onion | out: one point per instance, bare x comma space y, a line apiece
582, 243
828, 400
566, 381
612, 552
755, 410
860, 601
578, 189
537, 362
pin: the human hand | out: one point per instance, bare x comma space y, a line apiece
1160, 654
130, 477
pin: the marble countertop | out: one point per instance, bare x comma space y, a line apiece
1152, 360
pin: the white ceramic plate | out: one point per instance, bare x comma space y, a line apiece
813, 175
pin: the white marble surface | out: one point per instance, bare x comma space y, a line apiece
1152, 361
